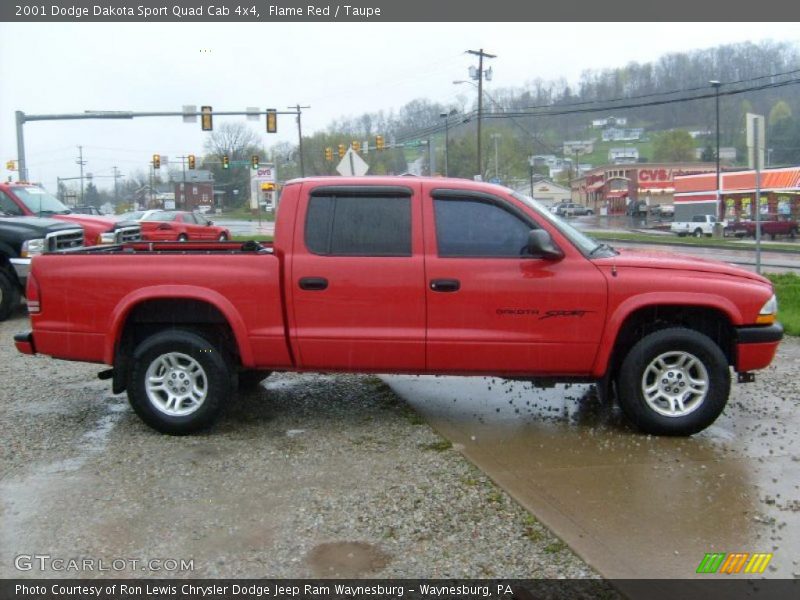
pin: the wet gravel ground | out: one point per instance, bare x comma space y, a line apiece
311, 475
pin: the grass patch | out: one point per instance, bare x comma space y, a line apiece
495, 497
674, 240
440, 446
555, 547
244, 214
254, 238
787, 288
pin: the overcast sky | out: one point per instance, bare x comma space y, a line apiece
339, 69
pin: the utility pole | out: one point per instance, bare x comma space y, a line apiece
716, 85
81, 162
481, 55
299, 110
117, 175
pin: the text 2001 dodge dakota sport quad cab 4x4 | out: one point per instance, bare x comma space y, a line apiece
405, 275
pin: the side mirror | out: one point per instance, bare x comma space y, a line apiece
209, 222
541, 244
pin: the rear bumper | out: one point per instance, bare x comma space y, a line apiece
24, 342
756, 346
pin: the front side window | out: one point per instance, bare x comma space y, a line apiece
8, 206
355, 225
467, 227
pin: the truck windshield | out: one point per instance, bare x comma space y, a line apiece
39, 201
586, 244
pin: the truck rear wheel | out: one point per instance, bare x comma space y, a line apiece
9, 295
698, 233
178, 381
674, 381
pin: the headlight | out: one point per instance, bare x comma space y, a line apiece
768, 312
107, 238
32, 247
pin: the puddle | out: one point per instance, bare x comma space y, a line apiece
631, 505
346, 559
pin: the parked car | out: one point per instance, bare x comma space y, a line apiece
572, 209
181, 226
405, 275
699, 226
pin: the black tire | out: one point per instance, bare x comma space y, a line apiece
639, 367
250, 380
183, 238
187, 349
793, 233
698, 233
589, 212
222, 237
9, 295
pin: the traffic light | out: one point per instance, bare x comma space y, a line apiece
329, 153
205, 118
379, 143
356, 146
341, 150
192, 161
156, 161
254, 160
272, 120
226, 163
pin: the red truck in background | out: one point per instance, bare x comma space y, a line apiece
27, 200
405, 275
771, 225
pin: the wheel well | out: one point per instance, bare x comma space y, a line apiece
152, 316
644, 321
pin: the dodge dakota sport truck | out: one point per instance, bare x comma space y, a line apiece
24, 199
405, 275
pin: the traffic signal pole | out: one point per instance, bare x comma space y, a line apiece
22, 118
299, 113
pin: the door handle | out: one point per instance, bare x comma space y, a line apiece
445, 285
313, 283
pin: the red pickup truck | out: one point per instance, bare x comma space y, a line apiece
770, 225
26, 200
405, 275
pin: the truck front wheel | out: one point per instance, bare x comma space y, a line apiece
674, 381
9, 296
178, 381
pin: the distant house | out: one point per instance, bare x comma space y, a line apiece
615, 134
578, 147
193, 188
623, 156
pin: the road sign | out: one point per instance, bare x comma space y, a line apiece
352, 164
188, 113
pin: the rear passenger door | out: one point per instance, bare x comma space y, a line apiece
357, 279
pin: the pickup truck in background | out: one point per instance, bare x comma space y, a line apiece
22, 238
699, 226
405, 275
26, 200
770, 225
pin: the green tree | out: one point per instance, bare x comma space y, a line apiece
674, 146
239, 143
780, 110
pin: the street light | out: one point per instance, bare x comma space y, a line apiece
716, 85
446, 117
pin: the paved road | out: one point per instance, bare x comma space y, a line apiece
636, 506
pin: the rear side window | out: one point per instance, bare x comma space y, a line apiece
359, 225
467, 227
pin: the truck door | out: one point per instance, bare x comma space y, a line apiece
493, 308
357, 279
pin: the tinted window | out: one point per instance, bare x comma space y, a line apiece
467, 227
359, 225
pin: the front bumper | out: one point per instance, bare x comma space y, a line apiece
24, 342
22, 266
756, 346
